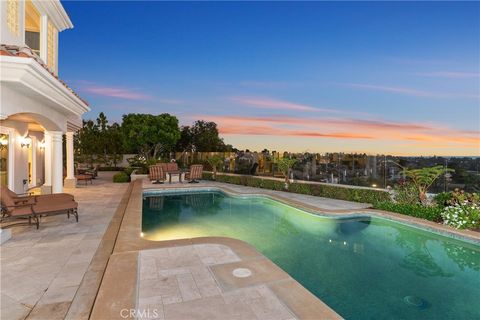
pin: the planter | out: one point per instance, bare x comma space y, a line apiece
134, 176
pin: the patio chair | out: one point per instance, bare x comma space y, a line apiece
156, 173
195, 173
11, 211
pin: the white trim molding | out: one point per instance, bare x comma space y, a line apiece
30, 74
56, 13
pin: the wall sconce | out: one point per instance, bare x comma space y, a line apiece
3, 141
26, 141
41, 145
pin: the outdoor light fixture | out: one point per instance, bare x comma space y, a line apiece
3, 141
26, 141
41, 145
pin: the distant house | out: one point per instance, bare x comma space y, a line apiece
37, 108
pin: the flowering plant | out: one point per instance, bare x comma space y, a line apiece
463, 211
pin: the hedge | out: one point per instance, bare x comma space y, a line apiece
319, 190
414, 210
121, 177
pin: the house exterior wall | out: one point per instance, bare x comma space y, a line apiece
33, 101
14, 102
6, 35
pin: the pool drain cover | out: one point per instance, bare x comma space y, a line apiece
242, 272
415, 301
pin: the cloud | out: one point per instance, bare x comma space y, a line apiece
408, 91
269, 84
448, 74
114, 92
269, 103
347, 129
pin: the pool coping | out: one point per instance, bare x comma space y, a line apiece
118, 288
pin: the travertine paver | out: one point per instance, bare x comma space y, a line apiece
42, 269
178, 283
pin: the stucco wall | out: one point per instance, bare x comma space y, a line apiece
6, 36
14, 102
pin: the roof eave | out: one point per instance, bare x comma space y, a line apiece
55, 11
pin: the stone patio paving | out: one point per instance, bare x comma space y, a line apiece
41, 270
179, 282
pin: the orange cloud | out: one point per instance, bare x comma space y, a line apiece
339, 128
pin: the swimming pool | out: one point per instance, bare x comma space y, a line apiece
363, 267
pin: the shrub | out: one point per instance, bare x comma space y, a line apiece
443, 199
463, 210
320, 190
121, 177
129, 170
406, 193
462, 215
414, 210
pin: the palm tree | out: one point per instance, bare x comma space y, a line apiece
285, 166
215, 161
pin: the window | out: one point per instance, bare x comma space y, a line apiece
12, 16
32, 27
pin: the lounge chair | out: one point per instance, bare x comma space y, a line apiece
32, 210
156, 174
195, 173
24, 197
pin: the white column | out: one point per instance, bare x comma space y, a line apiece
70, 181
47, 185
57, 161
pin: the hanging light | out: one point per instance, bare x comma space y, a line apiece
26, 141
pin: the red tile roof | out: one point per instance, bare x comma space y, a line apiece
26, 52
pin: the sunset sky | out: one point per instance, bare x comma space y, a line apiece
376, 77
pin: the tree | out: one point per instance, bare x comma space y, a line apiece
99, 142
148, 135
215, 161
86, 142
115, 145
185, 143
205, 136
423, 178
285, 165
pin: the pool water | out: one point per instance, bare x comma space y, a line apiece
363, 268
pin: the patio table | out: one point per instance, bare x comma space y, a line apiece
172, 173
